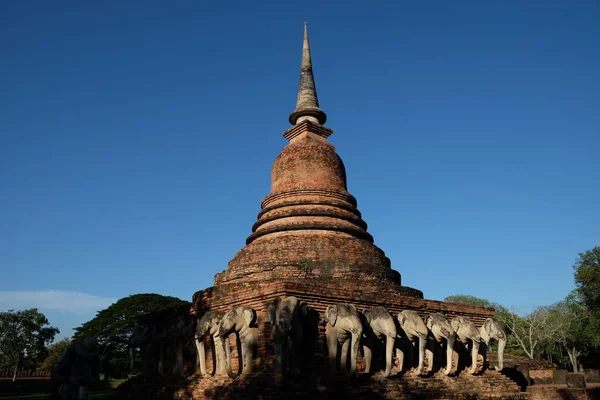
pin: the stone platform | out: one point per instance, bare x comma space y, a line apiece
489, 385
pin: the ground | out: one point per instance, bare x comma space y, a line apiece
37, 389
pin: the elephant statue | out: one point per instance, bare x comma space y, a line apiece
414, 328
209, 324
441, 330
381, 325
241, 320
142, 339
467, 331
286, 314
491, 330
175, 337
344, 328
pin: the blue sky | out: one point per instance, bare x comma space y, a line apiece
137, 138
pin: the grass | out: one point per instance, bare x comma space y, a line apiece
38, 389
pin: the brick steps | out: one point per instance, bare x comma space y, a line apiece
490, 385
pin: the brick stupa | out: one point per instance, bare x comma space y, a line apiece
309, 226
311, 242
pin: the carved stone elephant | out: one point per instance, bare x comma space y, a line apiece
466, 331
241, 320
175, 337
492, 330
380, 325
441, 331
344, 328
415, 329
208, 325
142, 339
286, 314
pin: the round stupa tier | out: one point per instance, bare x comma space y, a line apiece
309, 226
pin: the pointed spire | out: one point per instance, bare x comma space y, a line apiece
307, 106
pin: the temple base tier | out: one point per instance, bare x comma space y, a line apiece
313, 379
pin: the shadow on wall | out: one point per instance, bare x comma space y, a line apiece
519, 375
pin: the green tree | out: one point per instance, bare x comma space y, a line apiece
587, 278
114, 325
587, 281
54, 352
567, 320
23, 338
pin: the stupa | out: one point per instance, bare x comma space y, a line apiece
309, 226
310, 242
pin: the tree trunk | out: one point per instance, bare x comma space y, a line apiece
15, 373
573, 353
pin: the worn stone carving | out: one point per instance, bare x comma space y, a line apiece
142, 339
415, 329
467, 333
175, 338
209, 325
242, 321
286, 314
441, 331
344, 328
491, 330
379, 325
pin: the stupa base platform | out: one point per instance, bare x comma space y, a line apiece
263, 385
319, 294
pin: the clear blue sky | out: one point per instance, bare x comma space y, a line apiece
137, 138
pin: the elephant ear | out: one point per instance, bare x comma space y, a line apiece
271, 313
455, 323
401, 318
332, 314
250, 316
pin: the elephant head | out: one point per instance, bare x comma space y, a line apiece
141, 339
382, 325
344, 328
442, 331
208, 325
286, 315
415, 329
491, 330
180, 331
466, 330
241, 320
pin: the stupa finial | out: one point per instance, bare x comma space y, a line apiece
307, 106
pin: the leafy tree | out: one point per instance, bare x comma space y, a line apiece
114, 325
570, 317
587, 278
23, 338
54, 352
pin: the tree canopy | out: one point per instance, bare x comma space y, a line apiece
114, 325
23, 338
587, 278
117, 322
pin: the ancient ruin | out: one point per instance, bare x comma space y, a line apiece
311, 307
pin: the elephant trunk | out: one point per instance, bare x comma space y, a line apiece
280, 349
230, 373
389, 350
161, 359
354, 353
201, 354
501, 345
131, 358
422, 345
449, 354
474, 352
368, 350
